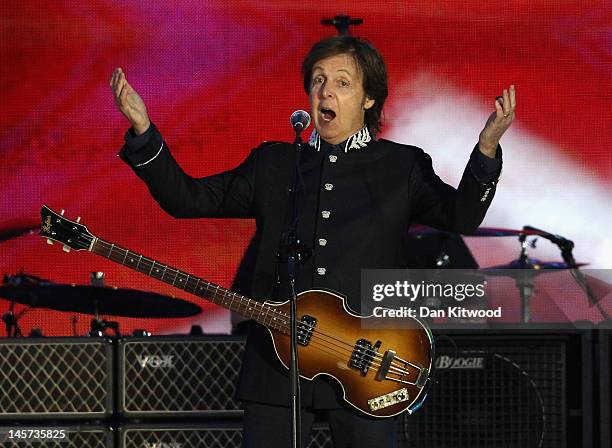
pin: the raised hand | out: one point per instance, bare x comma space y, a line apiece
498, 122
129, 102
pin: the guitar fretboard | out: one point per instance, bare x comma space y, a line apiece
262, 313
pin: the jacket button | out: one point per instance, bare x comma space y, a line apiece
322, 242
333, 158
329, 187
321, 271
325, 214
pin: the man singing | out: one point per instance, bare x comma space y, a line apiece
357, 195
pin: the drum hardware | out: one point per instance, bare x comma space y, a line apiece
584, 281
450, 250
428, 248
11, 322
10, 319
98, 327
17, 231
100, 300
35, 292
422, 231
36, 332
525, 269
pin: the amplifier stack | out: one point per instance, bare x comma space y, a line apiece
179, 377
512, 389
56, 378
128, 393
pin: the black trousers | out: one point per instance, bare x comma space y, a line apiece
267, 426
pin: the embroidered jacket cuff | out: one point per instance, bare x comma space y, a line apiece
485, 169
140, 150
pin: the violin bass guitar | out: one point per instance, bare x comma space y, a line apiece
382, 370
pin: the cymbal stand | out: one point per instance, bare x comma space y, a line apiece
99, 327
524, 281
11, 323
567, 247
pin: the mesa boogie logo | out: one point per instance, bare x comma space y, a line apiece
162, 445
460, 362
156, 362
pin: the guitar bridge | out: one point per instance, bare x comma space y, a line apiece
394, 368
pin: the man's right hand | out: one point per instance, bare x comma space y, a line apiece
129, 102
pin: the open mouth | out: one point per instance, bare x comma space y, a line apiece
328, 114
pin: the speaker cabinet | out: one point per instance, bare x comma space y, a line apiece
505, 390
59, 378
604, 358
200, 435
179, 376
82, 436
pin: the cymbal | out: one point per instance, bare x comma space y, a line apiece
99, 300
496, 231
530, 264
10, 233
419, 231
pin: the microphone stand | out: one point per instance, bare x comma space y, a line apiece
566, 247
290, 251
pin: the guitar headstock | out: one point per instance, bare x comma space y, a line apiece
55, 227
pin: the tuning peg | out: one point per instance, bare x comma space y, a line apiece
78, 219
50, 241
62, 212
66, 248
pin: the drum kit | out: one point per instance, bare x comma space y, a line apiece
94, 299
97, 300
524, 270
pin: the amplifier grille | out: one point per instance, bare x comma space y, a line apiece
510, 393
68, 379
174, 377
197, 436
77, 437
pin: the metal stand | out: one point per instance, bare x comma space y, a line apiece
99, 326
342, 23
291, 252
566, 247
11, 323
524, 281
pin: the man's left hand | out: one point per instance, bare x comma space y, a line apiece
498, 122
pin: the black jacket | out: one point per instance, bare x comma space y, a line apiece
376, 192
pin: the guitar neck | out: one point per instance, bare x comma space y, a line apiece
262, 313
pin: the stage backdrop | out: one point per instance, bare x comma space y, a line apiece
219, 77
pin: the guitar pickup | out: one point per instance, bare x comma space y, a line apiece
305, 329
363, 355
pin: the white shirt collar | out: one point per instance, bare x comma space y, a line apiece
359, 139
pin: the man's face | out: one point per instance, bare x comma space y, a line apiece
337, 99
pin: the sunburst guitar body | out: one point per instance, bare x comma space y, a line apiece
383, 370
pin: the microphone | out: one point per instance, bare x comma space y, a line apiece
560, 241
300, 120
